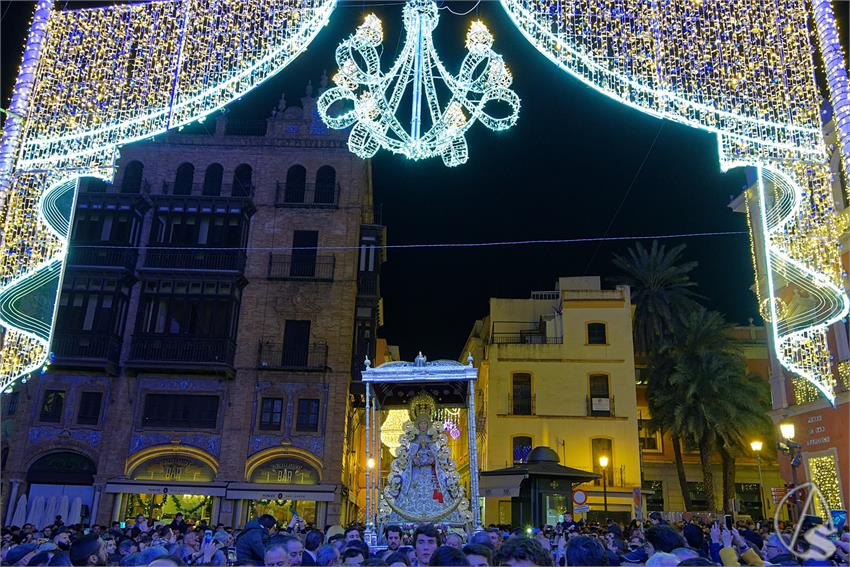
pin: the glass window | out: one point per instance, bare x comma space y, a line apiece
596, 334
270, 413
12, 406
600, 395
521, 447
180, 411
749, 499
89, 413
51, 407
603, 447
699, 502
649, 440
308, 415
521, 394
653, 494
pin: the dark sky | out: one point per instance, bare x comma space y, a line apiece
561, 172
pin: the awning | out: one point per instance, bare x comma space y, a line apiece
141, 487
254, 491
500, 485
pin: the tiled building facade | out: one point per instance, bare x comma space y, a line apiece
218, 298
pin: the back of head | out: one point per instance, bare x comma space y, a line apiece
359, 545
374, 562
523, 549
481, 550
664, 538
83, 548
662, 559
584, 550
267, 521
281, 540
397, 557
448, 556
326, 555
313, 540
481, 538
353, 551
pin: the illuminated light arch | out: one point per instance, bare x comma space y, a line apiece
141, 457
743, 71
92, 80
262, 457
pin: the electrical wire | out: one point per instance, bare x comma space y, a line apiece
446, 7
490, 244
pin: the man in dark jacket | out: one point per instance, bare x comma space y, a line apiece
251, 543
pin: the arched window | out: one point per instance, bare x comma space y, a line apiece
326, 185
521, 447
212, 179
184, 179
597, 334
296, 184
242, 181
132, 181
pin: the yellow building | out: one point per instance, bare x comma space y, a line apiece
557, 369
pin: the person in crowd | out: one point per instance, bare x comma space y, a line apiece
88, 550
522, 552
478, 555
353, 533
353, 556
276, 555
312, 541
328, 554
424, 544
251, 542
448, 556
454, 540
495, 535
142, 524
394, 537
397, 559
62, 539
178, 524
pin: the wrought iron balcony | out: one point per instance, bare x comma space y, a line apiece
367, 284
87, 350
110, 256
522, 406
181, 351
525, 338
277, 356
299, 267
198, 259
600, 407
307, 195
200, 189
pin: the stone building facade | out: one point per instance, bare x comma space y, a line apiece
218, 298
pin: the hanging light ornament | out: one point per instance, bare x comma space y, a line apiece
371, 98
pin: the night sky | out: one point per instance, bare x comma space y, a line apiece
562, 172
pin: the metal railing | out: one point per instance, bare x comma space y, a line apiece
548, 295
367, 284
71, 346
307, 195
522, 407
600, 407
181, 349
525, 338
278, 356
200, 259
298, 267
235, 190
107, 257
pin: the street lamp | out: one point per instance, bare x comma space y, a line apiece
792, 449
603, 462
757, 446
370, 462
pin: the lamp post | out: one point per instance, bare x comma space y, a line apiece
792, 449
757, 446
603, 462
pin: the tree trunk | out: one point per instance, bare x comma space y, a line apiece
707, 473
728, 477
680, 471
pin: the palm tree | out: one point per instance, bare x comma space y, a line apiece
661, 289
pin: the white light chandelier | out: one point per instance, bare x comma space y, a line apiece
370, 99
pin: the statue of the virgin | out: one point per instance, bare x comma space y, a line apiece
423, 484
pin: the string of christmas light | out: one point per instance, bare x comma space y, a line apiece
823, 470
743, 70
92, 80
369, 99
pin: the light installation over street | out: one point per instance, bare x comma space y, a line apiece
371, 98
92, 80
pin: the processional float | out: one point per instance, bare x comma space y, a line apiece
93, 80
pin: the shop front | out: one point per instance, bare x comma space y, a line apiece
282, 483
164, 482
64, 475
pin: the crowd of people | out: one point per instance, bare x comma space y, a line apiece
693, 541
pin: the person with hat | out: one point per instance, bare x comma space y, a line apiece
251, 543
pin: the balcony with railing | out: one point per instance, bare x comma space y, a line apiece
367, 284
302, 268
217, 260
600, 407
87, 350
277, 356
209, 191
179, 351
307, 196
110, 255
526, 405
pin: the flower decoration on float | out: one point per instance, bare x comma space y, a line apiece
370, 100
